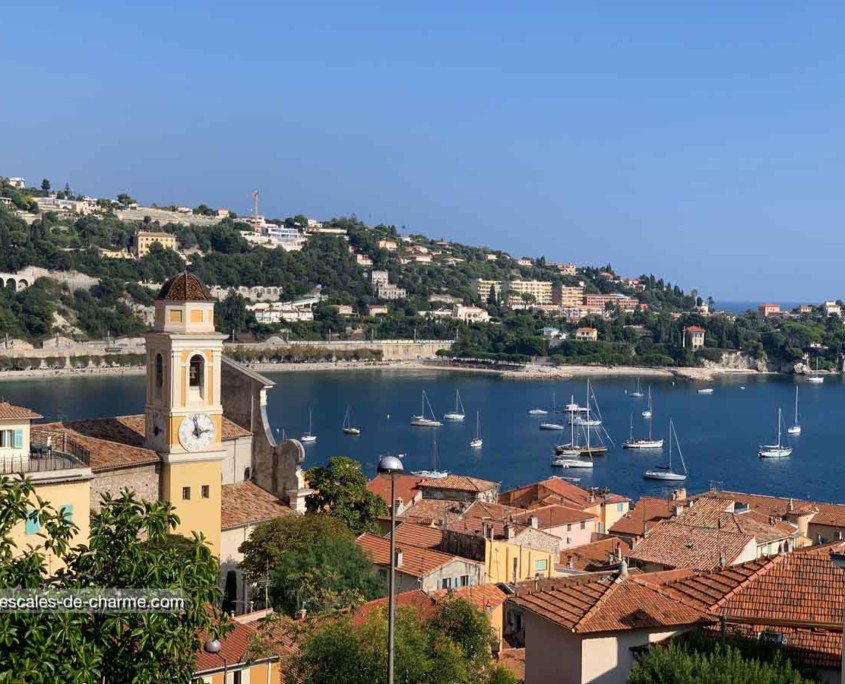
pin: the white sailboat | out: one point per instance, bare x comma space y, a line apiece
649, 443
588, 449
434, 473
648, 412
458, 413
795, 428
423, 419
706, 390
309, 436
815, 378
638, 394
586, 420
348, 428
552, 425
779, 450
538, 412
477, 442
666, 473
569, 455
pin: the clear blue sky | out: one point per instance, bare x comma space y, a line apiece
699, 141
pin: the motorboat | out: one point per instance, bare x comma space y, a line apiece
706, 390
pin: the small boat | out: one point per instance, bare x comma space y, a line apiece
434, 473
458, 414
815, 378
572, 407
779, 450
665, 472
573, 480
795, 428
423, 420
706, 390
648, 412
552, 426
477, 443
649, 443
348, 429
538, 412
561, 462
309, 437
638, 394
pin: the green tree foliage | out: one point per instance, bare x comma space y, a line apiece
45, 185
698, 663
231, 315
125, 199
427, 650
340, 489
84, 648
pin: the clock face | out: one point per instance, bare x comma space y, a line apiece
156, 430
196, 431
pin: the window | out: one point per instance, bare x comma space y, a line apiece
772, 637
196, 371
159, 376
447, 583
541, 565
186, 493
32, 526
205, 492
583, 524
7, 439
569, 527
66, 512
464, 580
620, 508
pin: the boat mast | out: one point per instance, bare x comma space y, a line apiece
796, 405
671, 431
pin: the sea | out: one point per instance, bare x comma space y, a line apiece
718, 433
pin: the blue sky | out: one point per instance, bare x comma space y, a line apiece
704, 142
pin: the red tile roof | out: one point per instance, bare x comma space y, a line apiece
245, 503
497, 511
594, 556
813, 648
234, 648
644, 515
514, 660
11, 412
421, 536
415, 561
406, 488
679, 546
430, 511
460, 483
555, 516
605, 602
563, 492
695, 329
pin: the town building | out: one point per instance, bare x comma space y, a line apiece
613, 301
596, 556
271, 313
420, 259
491, 257
766, 310
222, 213
539, 290
389, 245
572, 527
344, 309
390, 292
566, 296
484, 287
288, 238
564, 269
6, 202
256, 293
586, 629
377, 310
525, 261
363, 260
407, 491
470, 314
831, 308
248, 655
17, 183
586, 335
144, 240
694, 337
459, 488
419, 568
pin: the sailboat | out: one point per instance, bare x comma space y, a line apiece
434, 473
553, 425
348, 429
588, 449
423, 419
649, 443
647, 413
309, 436
815, 378
477, 442
779, 450
569, 455
538, 412
638, 394
458, 413
586, 421
795, 429
666, 472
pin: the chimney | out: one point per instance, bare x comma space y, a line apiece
682, 493
623, 569
722, 561
532, 520
677, 510
510, 533
398, 558
300, 615
791, 506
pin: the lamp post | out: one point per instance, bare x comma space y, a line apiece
390, 466
214, 646
839, 560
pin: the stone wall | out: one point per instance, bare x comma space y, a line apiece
537, 539
463, 544
391, 350
143, 480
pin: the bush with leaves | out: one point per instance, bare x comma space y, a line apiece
87, 648
340, 489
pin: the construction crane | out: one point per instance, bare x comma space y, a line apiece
254, 196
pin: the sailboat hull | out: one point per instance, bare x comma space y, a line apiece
815, 379
571, 463
665, 475
431, 474
794, 430
642, 444
774, 451
454, 417
308, 439
551, 426
420, 421
477, 443
351, 431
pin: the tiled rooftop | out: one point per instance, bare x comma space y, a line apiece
605, 602
406, 488
11, 412
680, 546
430, 511
422, 536
555, 516
594, 556
460, 483
415, 561
644, 515
245, 503
556, 490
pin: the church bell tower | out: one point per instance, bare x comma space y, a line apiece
183, 406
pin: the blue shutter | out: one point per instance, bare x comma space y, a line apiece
18, 439
31, 526
67, 512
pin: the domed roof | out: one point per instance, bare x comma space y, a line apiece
185, 287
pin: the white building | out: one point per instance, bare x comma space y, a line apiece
831, 308
270, 313
390, 292
17, 183
470, 314
378, 278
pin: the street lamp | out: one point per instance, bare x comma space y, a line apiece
390, 466
839, 560
214, 646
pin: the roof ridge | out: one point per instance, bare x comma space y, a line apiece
599, 602
101, 439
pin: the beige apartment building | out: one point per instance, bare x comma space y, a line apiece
483, 287
145, 240
541, 290
567, 297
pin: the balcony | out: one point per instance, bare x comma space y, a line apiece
49, 452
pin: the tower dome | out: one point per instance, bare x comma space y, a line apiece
185, 287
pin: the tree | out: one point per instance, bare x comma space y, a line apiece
87, 648
45, 185
324, 577
231, 315
125, 199
702, 663
340, 489
340, 651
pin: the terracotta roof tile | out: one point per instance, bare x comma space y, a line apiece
406, 488
594, 556
430, 511
679, 546
421, 536
234, 648
245, 503
497, 511
555, 516
514, 660
644, 515
556, 490
415, 561
460, 483
11, 412
606, 602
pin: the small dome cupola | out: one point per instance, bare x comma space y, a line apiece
185, 287
184, 305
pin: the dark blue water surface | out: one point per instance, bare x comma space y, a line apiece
719, 434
